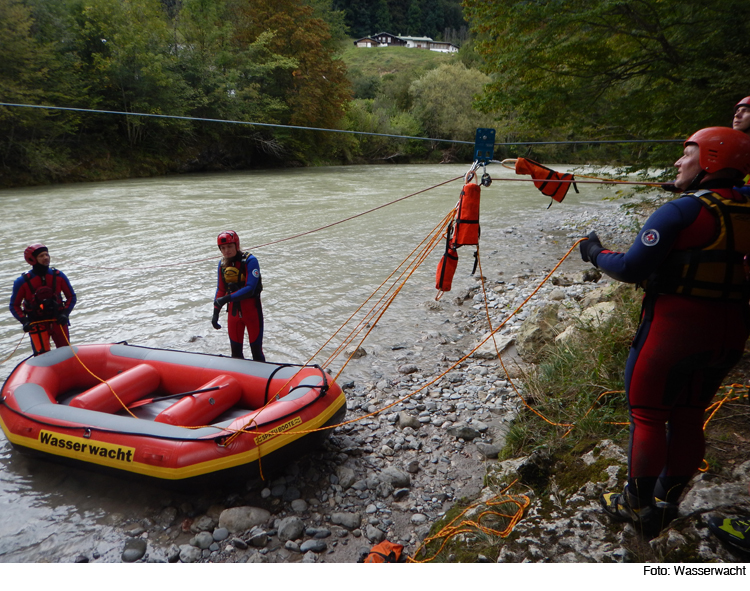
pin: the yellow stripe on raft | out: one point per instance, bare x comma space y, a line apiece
122, 457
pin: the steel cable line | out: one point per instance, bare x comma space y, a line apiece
282, 126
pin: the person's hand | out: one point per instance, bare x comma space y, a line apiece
215, 318
591, 248
219, 302
26, 322
670, 187
62, 318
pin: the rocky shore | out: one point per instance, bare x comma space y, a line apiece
393, 474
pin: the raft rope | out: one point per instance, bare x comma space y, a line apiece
467, 177
83, 365
256, 247
18, 344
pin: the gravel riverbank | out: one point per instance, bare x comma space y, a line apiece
391, 474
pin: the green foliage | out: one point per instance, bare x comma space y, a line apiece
449, 114
412, 92
612, 69
566, 386
241, 60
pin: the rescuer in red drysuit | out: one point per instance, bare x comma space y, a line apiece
239, 285
37, 301
741, 122
736, 532
689, 258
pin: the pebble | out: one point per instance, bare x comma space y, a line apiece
135, 549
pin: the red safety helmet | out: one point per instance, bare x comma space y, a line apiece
745, 102
228, 237
722, 147
32, 250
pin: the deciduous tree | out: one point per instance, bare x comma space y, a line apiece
612, 68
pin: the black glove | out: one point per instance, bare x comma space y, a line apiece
219, 302
591, 248
671, 188
26, 324
62, 318
215, 318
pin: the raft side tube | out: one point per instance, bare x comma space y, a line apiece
129, 386
200, 409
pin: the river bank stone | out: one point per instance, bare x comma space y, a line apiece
134, 549
239, 519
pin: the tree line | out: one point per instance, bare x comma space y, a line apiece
269, 61
597, 70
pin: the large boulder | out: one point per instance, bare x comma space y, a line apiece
239, 519
537, 331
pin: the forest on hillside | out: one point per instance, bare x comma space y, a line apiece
597, 70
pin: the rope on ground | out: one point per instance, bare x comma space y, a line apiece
453, 366
458, 525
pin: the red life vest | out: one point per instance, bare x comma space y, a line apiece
542, 177
386, 551
45, 302
467, 218
447, 266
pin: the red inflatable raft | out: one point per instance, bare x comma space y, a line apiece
166, 415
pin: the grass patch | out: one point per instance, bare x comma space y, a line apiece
379, 61
579, 383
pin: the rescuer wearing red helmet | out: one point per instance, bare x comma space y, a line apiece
689, 259
239, 284
741, 122
37, 301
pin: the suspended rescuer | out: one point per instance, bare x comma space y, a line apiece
694, 323
239, 285
42, 301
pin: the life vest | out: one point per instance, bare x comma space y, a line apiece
556, 190
235, 277
467, 217
44, 303
716, 270
385, 551
447, 266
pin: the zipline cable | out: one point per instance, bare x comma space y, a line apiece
304, 128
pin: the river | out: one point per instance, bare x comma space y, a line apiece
141, 256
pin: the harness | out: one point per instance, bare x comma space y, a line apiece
715, 270
236, 277
44, 302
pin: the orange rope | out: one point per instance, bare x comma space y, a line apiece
273, 241
456, 527
83, 365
